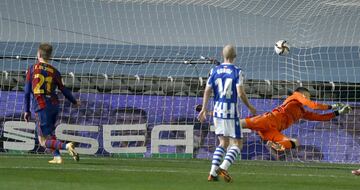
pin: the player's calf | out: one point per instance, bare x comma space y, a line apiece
216, 160
42, 141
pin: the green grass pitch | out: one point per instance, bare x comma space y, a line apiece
33, 172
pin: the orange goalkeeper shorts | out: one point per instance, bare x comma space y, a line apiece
266, 126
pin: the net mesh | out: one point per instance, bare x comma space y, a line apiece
139, 68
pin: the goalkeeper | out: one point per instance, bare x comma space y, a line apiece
269, 125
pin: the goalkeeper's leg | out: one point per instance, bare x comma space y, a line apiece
278, 141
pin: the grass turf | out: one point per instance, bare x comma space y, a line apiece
33, 172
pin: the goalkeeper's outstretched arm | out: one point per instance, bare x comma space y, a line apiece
326, 117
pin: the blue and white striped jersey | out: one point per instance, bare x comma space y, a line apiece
224, 79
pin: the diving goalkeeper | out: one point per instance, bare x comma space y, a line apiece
270, 124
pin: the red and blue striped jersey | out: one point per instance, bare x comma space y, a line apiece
42, 79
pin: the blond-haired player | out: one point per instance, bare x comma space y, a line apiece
226, 82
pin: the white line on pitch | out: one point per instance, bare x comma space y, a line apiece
171, 160
153, 170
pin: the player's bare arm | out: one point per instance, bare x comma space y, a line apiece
203, 111
242, 95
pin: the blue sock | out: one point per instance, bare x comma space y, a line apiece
230, 157
216, 160
56, 153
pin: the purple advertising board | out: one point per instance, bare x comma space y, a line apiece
103, 117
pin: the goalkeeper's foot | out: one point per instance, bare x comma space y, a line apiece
213, 178
275, 146
224, 174
356, 172
70, 147
56, 160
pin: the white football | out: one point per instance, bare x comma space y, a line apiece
281, 47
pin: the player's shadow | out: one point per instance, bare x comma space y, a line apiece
104, 163
301, 153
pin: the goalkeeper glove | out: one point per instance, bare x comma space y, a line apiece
344, 110
337, 106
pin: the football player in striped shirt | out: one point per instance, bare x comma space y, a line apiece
42, 79
226, 82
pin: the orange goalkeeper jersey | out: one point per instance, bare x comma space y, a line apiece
292, 110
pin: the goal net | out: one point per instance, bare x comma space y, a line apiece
139, 69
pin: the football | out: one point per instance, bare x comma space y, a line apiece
281, 47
